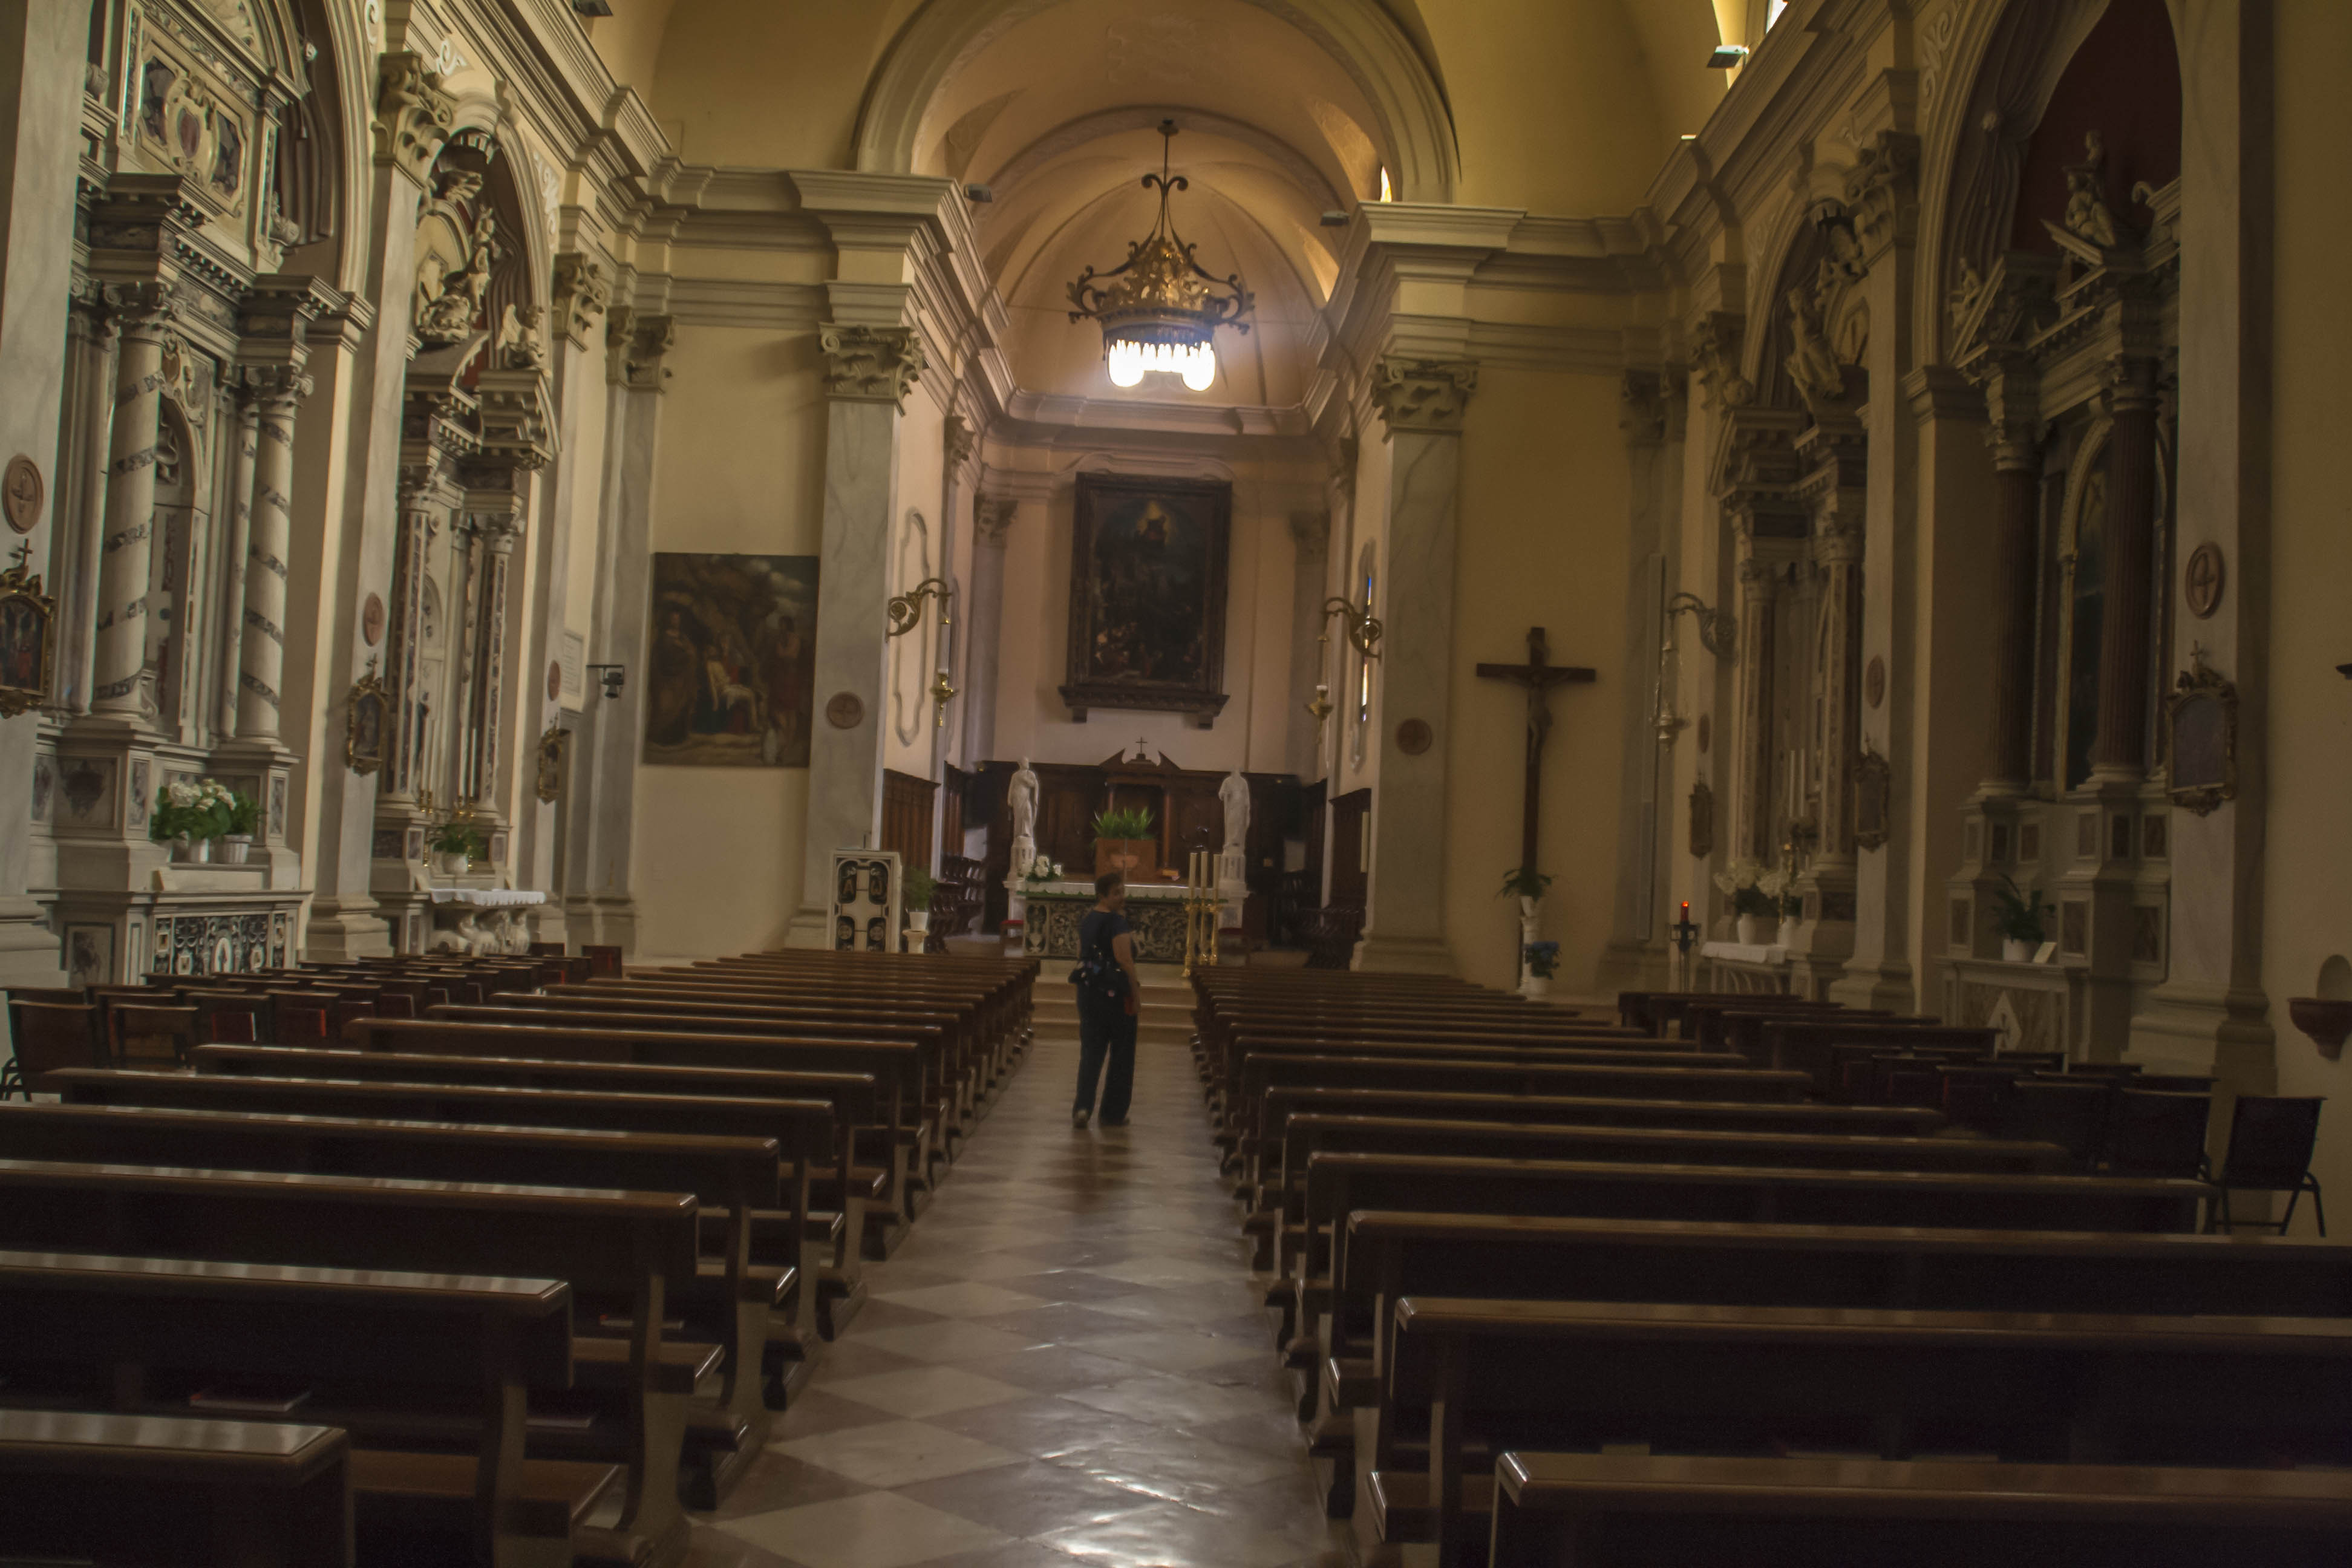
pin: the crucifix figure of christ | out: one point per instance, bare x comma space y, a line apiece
1538, 676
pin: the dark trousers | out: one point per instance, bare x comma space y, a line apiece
1106, 1028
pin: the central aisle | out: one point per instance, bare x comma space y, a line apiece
1065, 1363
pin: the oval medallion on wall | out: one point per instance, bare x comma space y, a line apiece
1705, 730
1414, 736
845, 711
372, 620
2201, 580
554, 679
21, 493
1874, 682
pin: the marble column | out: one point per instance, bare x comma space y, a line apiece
2013, 436
43, 46
247, 435
992, 523
144, 312
423, 509
261, 662
95, 334
1423, 403
598, 905
484, 715
1751, 805
2120, 749
869, 372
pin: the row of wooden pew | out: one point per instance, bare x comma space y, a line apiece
1654, 1289
518, 1263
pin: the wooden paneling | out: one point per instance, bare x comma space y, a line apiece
955, 785
1314, 802
1351, 816
907, 803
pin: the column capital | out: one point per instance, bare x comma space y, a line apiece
1838, 547
1714, 360
1882, 194
279, 387
413, 115
958, 441
635, 345
871, 364
580, 294
1648, 402
1310, 530
144, 309
1425, 395
991, 518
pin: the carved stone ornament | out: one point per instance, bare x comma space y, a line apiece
520, 344
22, 492
2089, 215
413, 116
959, 440
1414, 736
2201, 580
551, 763
1714, 360
372, 619
1874, 682
2200, 719
1702, 820
844, 710
367, 729
636, 346
1423, 394
1873, 781
1882, 192
28, 638
992, 517
871, 364
581, 295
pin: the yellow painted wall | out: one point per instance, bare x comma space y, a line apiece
1542, 542
717, 851
2308, 871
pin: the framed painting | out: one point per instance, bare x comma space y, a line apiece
29, 640
1147, 595
2201, 725
733, 660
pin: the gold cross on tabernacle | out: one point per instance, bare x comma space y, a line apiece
1538, 676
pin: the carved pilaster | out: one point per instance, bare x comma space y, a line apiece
1714, 360
634, 348
413, 115
871, 364
580, 294
1423, 394
992, 519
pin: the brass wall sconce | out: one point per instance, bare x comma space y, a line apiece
610, 676
1363, 634
1717, 633
907, 613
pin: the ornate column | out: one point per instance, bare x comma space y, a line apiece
2014, 434
261, 662
94, 329
1834, 490
2121, 748
143, 311
1421, 401
478, 778
869, 370
991, 521
1751, 803
598, 903
247, 434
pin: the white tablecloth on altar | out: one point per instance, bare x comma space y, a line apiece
488, 898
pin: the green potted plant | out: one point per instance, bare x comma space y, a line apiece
1124, 843
456, 844
2019, 920
916, 892
189, 814
1527, 885
244, 822
1751, 906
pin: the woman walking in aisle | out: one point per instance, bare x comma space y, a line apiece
1109, 995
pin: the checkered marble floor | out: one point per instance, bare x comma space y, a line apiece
1065, 1364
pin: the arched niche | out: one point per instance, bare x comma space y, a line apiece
1415, 128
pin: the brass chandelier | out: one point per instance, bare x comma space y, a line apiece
1160, 309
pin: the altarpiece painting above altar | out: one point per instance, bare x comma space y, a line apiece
733, 660
1147, 595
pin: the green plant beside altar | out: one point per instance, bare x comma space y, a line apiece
2018, 917
1753, 902
190, 814
1124, 843
458, 840
921, 886
1524, 883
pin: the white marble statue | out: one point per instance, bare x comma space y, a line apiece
1021, 797
1234, 795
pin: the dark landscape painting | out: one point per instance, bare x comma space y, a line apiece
1147, 591
732, 650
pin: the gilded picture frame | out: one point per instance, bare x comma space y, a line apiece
2201, 720
551, 747
29, 640
367, 732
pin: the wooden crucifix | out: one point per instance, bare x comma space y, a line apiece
1538, 677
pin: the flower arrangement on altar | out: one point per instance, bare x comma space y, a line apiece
1744, 882
1542, 959
1038, 872
200, 809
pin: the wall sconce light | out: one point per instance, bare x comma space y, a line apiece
1363, 634
1724, 57
907, 613
612, 674
1717, 633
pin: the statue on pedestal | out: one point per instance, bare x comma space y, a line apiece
1234, 795
1021, 799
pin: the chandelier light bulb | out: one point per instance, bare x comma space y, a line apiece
1200, 368
1126, 363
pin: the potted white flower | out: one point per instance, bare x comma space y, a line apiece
1751, 906
244, 818
190, 815
1775, 886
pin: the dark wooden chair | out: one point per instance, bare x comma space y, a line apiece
149, 1037
1329, 934
546, 950
298, 1018
224, 1019
2156, 1133
49, 1035
2270, 1141
603, 963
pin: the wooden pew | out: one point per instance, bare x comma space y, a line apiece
729, 1303
843, 1192
900, 1071
430, 1375
210, 1494
1602, 1510
2041, 1388
631, 1248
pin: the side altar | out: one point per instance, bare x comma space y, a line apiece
1155, 910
